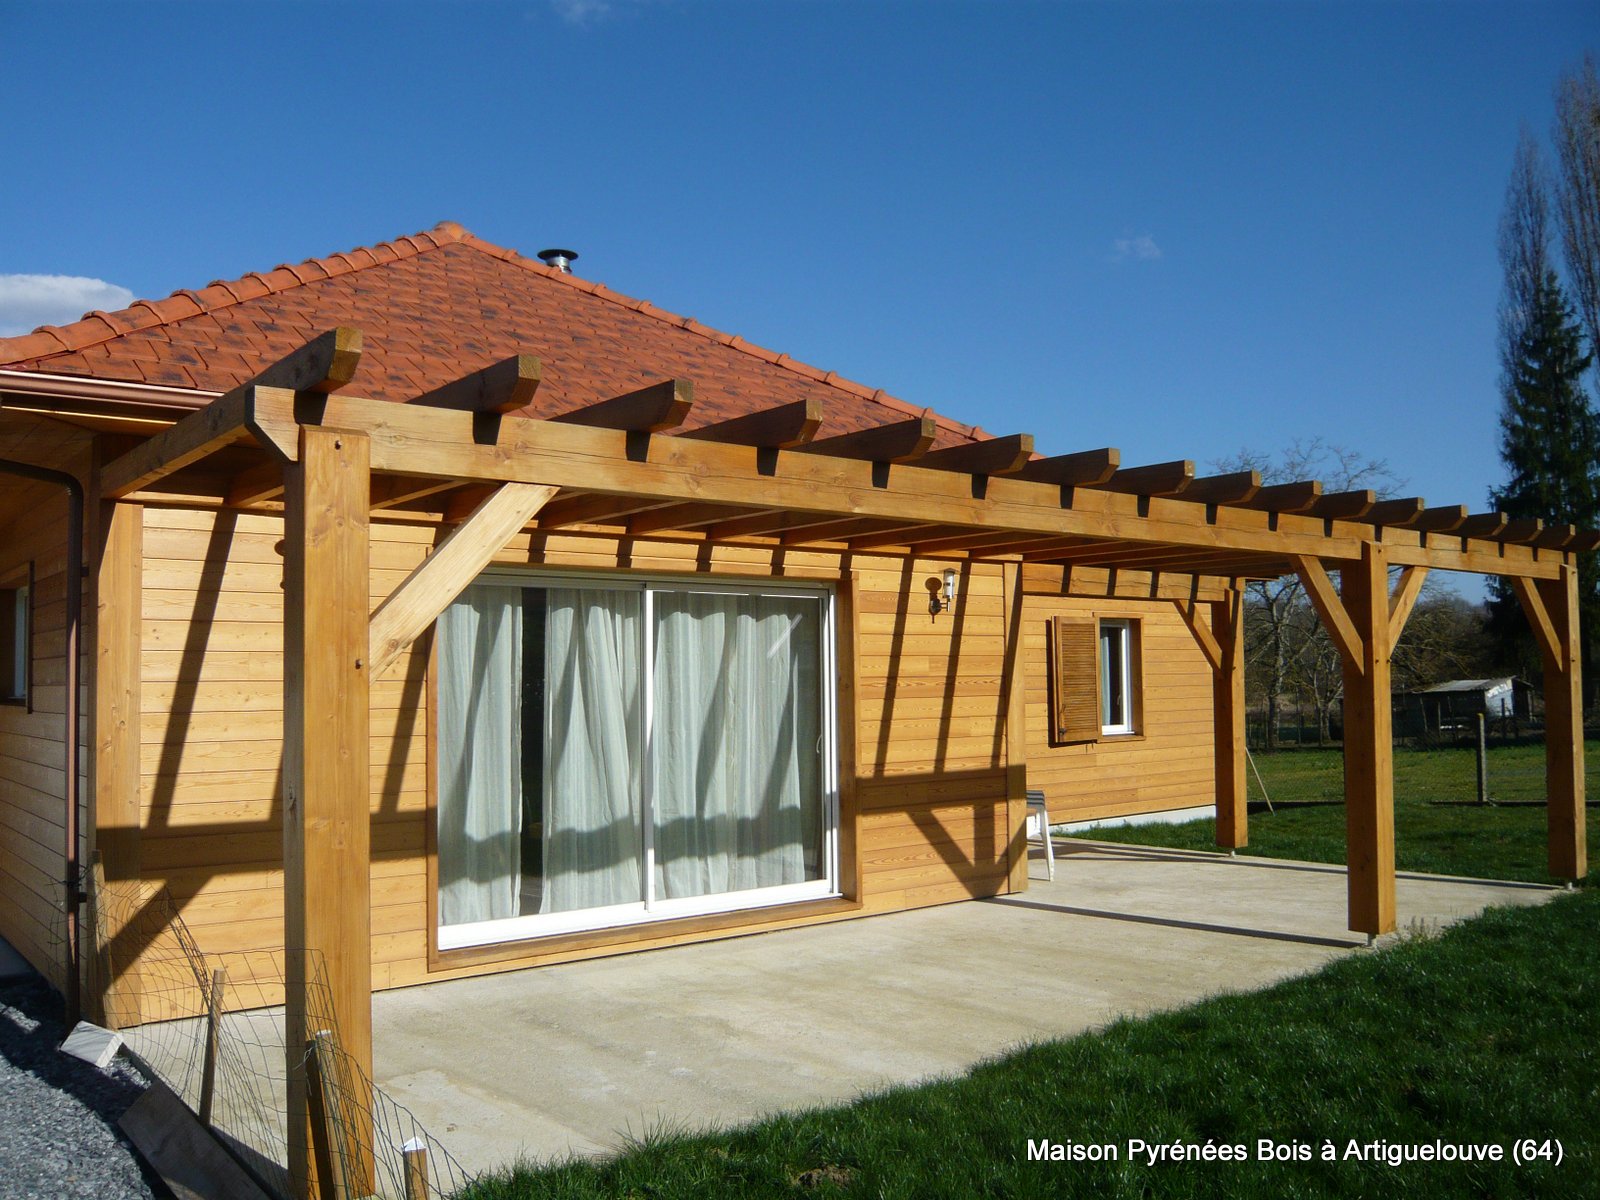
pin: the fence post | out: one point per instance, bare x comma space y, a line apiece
328, 1149
415, 1153
1483, 762
208, 1077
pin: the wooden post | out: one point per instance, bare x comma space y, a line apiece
329, 1146
415, 1155
1227, 708
1368, 743
118, 588
1014, 686
326, 785
1552, 609
208, 1071
1483, 761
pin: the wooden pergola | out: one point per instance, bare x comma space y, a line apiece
465, 456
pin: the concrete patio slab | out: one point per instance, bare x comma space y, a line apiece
578, 1058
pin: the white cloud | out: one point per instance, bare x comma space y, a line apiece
581, 13
28, 301
1142, 248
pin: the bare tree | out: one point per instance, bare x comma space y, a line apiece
1286, 648
1524, 246
1577, 140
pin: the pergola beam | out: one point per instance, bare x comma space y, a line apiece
501, 387
1156, 479
993, 456
1232, 488
676, 517
390, 491
1396, 513
1343, 506
1296, 497
595, 510
441, 443
782, 427
896, 442
653, 409
1086, 468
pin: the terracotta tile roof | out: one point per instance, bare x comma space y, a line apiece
434, 306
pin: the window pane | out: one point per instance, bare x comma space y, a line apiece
592, 835
480, 734
735, 742
1113, 653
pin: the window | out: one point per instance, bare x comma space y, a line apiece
1094, 679
16, 638
614, 752
1116, 677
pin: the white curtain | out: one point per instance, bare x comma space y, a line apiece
480, 771
593, 852
734, 742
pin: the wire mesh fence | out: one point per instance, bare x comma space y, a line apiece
1431, 765
212, 1027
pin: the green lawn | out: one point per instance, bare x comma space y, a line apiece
1486, 1034
1439, 828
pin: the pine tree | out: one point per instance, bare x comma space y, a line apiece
1550, 444
1549, 433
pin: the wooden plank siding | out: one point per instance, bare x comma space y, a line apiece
930, 780
1169, 764
32, 777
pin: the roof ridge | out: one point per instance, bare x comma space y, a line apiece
97, 327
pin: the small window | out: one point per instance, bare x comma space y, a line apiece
16, 637
1116, 678
1094, 679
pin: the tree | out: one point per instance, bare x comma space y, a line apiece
1577, 140
1549, 433
1287, 652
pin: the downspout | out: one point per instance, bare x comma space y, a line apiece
74, 892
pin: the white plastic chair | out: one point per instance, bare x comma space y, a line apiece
1038, 812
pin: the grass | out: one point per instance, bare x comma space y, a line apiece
1485, 1034
1438, 826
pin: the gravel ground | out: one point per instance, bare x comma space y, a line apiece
58, 1115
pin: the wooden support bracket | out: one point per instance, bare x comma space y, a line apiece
425, 593
1544, 630
1404, 599
1332, 611
1207, 641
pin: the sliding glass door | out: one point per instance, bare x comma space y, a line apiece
613, 753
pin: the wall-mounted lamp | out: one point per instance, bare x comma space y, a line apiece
940, 602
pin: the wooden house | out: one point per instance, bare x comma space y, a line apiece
445, 612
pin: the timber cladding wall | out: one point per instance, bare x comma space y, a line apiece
929, 786
1169, 763
32, 779
32, 773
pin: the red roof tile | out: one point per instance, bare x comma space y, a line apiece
435, 306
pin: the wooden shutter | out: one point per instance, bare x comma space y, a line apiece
1074, 680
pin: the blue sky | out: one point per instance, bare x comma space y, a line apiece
1178, 229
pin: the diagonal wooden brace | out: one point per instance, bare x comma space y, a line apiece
445, 574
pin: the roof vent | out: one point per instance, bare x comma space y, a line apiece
561, 260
